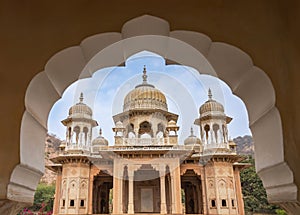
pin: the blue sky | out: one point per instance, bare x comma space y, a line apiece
184, 87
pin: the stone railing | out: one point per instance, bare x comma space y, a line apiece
143, 141
77, 147
216, 146
144, 148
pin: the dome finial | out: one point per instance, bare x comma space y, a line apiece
145, 75
81, 97
209, 94
192, 131
100, 131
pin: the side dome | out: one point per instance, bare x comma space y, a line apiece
172, 123
211, 106
80, 109
100, 140
192, 139
119, 124
145, 96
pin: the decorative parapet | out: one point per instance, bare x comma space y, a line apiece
145, 141
216, 146
77, 147
223, 148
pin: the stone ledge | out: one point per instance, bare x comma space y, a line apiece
23, 183
9, 207
279, 187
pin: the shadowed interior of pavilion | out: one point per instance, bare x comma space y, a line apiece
146, 191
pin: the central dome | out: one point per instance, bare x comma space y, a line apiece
145, 96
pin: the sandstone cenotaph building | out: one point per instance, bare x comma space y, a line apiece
146, 170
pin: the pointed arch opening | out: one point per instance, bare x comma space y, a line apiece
218, 59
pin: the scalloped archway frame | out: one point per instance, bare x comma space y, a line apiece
225, 61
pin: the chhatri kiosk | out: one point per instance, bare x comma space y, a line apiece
146, 170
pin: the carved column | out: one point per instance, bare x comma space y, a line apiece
238, 191
130, 190
173, 188
117, 191
205, 200
115, 195
120, 179
90, 195
176, 193
57, 193
163, 208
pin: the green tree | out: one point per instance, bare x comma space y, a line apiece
280, 212
255, 197
43, 199
44, 195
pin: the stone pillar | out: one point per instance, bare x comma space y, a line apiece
238, 191
115, 196
163, 207
176, 193
57, 193
90, 195
173, 206
117, 188
205, 199
120, 179
130, 191
136, 128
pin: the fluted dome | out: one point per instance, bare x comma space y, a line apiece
145, 96
192, 139
211, 106
100, 140
80, 109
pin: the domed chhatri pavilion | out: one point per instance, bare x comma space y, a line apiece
146, 170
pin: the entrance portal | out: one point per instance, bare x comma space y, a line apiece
146, 190
191, 184
103, 184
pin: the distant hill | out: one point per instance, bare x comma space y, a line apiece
245, 145
52, 144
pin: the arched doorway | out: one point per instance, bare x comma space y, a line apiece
230, 64
102, 185
191, 184
145, 130
146, 190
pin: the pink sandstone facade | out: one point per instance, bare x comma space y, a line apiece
147, 170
